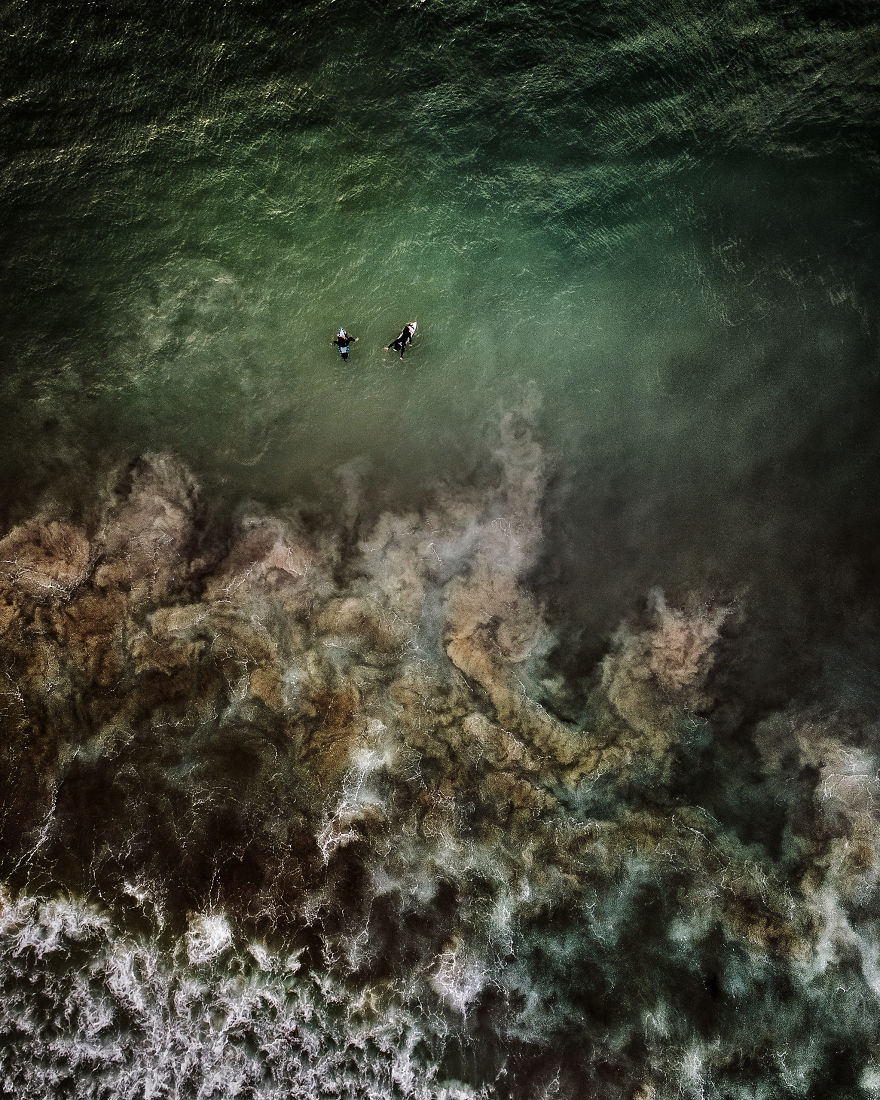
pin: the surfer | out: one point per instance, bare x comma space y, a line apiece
342, 340
404, 338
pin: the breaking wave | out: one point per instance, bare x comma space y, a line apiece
302, 805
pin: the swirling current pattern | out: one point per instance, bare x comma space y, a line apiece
330, 822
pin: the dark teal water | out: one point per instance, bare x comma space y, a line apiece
653, 230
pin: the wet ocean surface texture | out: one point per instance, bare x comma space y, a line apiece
501, 722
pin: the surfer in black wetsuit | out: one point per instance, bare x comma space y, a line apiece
342, 340
406, 337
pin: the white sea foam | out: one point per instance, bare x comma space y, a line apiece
134, 1019
208, 935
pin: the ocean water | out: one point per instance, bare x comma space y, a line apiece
501, 721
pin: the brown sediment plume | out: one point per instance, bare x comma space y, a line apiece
143, 621
44, 558
271, 560
346, 732
147, 535
659, 672
424, 626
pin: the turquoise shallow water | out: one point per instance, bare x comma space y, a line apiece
400, 742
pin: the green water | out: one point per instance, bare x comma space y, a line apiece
587, 199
